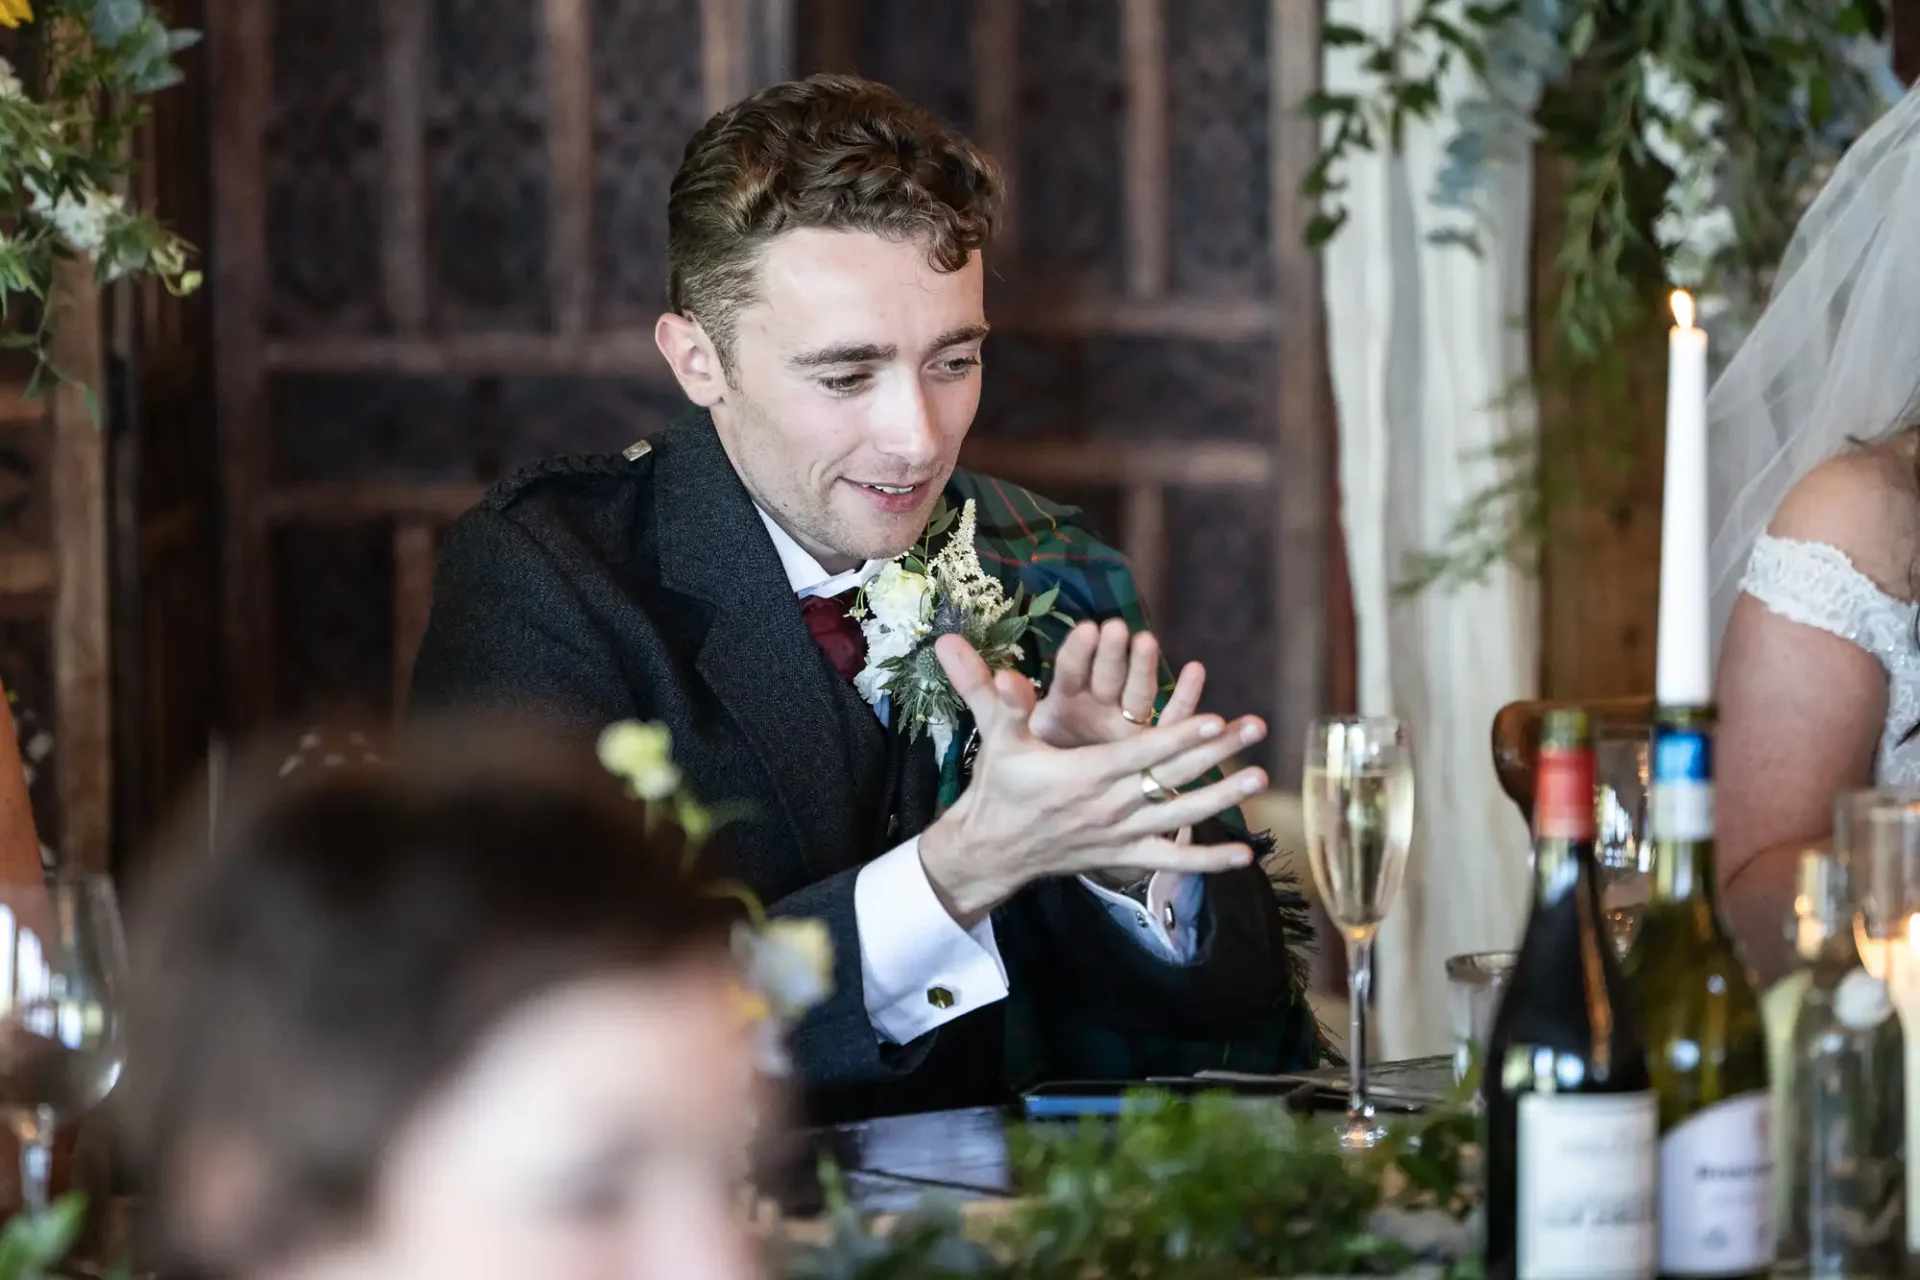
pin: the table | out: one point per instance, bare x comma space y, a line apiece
890, 1163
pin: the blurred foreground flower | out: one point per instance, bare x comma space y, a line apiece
786, 965
15, 12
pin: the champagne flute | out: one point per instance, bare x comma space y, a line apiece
62, 970
1358, 806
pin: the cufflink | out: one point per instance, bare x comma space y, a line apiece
637, 450
1166, 914
940, 997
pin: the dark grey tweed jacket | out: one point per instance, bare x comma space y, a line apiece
598, 589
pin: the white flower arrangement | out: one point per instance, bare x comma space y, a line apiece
921, 596
786, 964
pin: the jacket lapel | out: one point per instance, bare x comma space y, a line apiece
757, 656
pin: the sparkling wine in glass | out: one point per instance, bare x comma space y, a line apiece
1358, 800
62, 971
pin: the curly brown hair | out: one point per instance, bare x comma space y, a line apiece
830, 151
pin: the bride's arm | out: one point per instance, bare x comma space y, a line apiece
1802, 709
1801, 713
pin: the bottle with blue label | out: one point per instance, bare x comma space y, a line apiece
1700, 1017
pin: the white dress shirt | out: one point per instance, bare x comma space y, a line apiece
919, 967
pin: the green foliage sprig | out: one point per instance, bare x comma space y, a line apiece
67, 123
33, 1246
1210, 1188
1685, 141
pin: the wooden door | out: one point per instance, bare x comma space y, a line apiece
442, 228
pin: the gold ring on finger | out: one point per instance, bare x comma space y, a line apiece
1145, 722
1153, 789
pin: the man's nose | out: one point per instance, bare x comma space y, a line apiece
907, 429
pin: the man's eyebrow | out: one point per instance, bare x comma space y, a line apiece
954, 337
844, 353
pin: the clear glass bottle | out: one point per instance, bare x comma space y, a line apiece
1837, 1082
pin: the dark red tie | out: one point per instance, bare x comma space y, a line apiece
837, 634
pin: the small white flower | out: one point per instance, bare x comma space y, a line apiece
643, 755
11, 90
82, 219
898, 598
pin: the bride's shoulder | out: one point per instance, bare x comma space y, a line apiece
1864, 503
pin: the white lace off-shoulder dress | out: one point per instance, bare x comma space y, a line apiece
1816, 585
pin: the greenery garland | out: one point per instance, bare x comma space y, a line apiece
1209, 1188
67, 120
1686, 137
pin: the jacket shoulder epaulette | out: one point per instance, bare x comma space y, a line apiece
566, 466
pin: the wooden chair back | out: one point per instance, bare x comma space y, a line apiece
1516, 737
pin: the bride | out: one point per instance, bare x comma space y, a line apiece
1815, 447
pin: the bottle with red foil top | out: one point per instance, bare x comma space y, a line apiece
1572, 1125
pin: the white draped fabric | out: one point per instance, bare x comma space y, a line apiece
1423, 340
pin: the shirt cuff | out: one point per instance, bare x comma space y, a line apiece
1168, 923
919, 967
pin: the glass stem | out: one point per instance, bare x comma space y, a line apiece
1359, 988
36, 1163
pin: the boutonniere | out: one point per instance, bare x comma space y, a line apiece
922, 595
785, 964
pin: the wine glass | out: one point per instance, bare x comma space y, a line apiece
62, 969
1357, 798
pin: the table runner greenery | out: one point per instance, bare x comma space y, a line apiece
1209, 1188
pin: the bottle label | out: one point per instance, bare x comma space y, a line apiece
1586, 1165
1563, 797
1681, 803
1716, 1190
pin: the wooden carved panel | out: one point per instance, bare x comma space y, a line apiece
1118, 388
647, 101
323, 170
1218, 91
1066, 174
486, 133
336, 617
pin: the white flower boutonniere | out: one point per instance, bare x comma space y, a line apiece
922, 596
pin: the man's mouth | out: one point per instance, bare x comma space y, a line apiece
895, 489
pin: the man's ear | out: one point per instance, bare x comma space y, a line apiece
690, 354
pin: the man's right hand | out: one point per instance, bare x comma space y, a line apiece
1032, 811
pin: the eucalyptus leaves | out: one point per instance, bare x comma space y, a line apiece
67, 123
1208, 1189
1684, 139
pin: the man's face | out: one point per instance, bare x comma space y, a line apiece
855, 377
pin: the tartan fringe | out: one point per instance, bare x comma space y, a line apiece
1296, 925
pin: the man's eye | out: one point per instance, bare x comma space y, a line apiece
842, 383
961, 366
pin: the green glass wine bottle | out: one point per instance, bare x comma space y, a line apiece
1701, 1019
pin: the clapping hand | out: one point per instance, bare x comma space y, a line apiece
1034, 810
1105, 681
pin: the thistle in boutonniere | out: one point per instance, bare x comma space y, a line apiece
922, 595
786, 965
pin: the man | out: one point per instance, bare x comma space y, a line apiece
1032, 902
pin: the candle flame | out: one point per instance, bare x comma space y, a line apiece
1683, 308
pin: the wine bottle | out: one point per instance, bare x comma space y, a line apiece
1571, 1121
1706, 1038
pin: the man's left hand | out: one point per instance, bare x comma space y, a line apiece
1105, 681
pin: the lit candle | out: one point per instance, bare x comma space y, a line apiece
1683, 669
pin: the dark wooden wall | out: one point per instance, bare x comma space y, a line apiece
440, 227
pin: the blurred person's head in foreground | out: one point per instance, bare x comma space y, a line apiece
457, 1014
